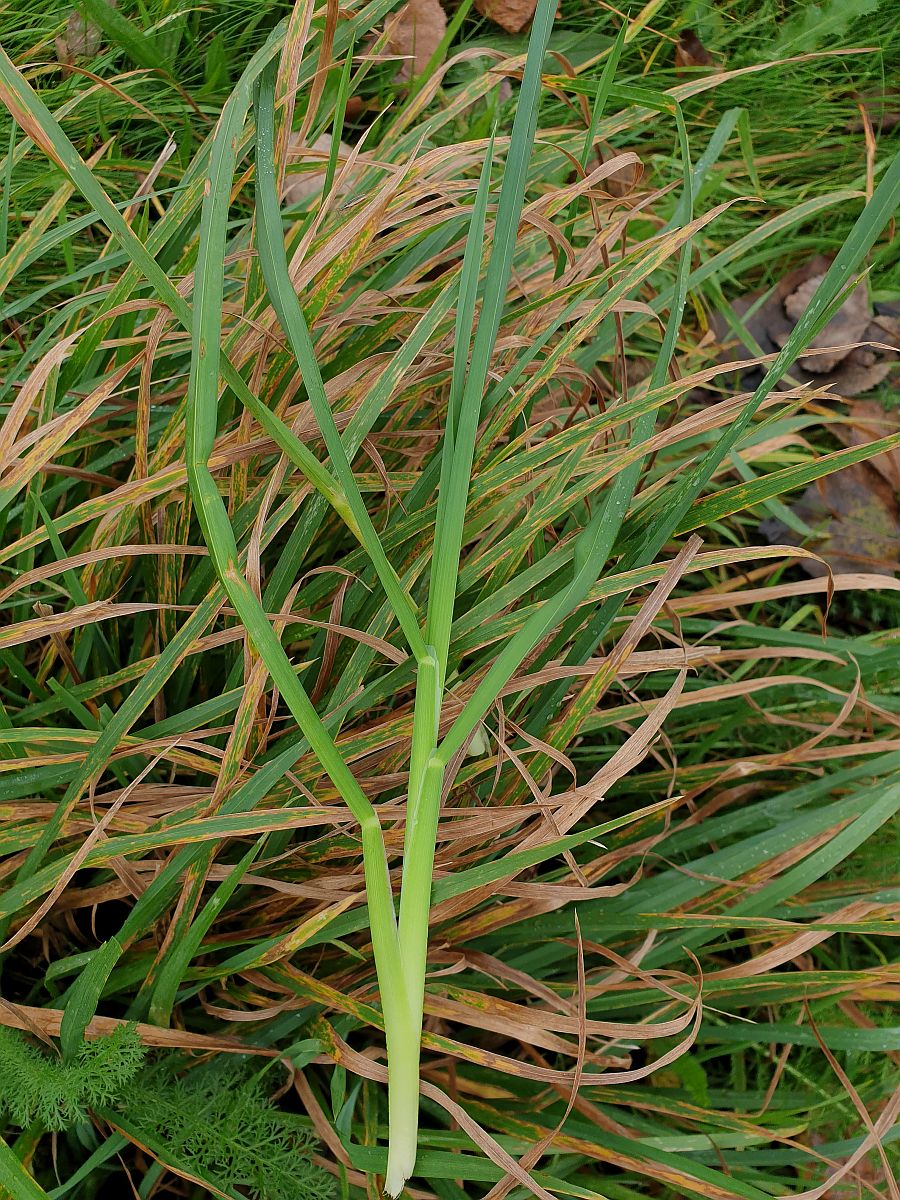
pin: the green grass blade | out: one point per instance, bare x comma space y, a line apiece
15, 1179
290, 314
593, 544
201, 422
140, 47
337, 128
81, 1004
176, 965
468, 298
452, 496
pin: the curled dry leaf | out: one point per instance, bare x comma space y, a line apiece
624, 179
511, 15
690, 51
415, 33
300, 186
47, 1022
856, 513
79, 40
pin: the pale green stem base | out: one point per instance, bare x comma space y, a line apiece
403, 1105
404, 1037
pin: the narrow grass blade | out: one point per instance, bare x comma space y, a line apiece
287, 306
176, 965
140, 47
455, 480
81, 1004
15, 1179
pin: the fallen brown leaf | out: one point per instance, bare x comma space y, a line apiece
848, 324
855, 512
876, 108
868, 422
885, 328
690, 51
836, 357
79, 40
415, 33
887, 122
300, 186
769, 323
511, 15
860, 372
356, 106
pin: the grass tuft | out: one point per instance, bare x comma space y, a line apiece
396, 681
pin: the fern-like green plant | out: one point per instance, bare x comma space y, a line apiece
37, 1087
217, 1121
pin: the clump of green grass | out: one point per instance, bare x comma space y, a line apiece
373, 571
